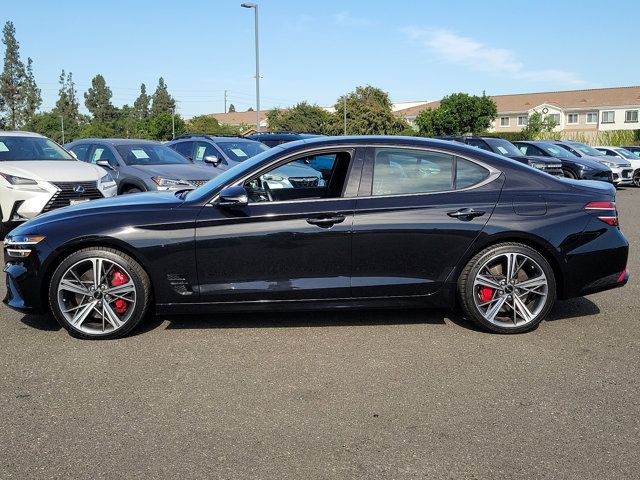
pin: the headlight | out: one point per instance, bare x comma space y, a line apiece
107, 181
169, 183
20, 245
584, 168
608, 164
21, 183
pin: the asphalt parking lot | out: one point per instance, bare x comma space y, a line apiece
386, 394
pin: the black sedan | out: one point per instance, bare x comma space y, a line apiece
400, 222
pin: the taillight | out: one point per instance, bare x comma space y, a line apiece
605, 212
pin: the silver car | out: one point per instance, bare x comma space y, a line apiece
142, 165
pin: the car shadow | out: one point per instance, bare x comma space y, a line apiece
577, 307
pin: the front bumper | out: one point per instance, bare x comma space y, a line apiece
622, 175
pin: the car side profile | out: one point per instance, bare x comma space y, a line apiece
37, 175
400, 221
509, 150
573, 167
141, 165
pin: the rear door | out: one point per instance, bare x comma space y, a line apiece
417, 213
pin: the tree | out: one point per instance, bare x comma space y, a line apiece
141, 105
162, 102
68, 108
32, 94
301, 118
232, 108
250, 109
369, 112
538, 124
48, 124
160, 126
458, 114
12, 78
98, 101
207, 124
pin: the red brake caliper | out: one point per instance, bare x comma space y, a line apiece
486, 294
119, 278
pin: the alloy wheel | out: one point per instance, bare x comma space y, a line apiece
96, 296
636, 178
510, 290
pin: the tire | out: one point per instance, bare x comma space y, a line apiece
569, 174
129, 190
107, 308
636, 178
499, 306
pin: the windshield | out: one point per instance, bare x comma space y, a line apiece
242, 150
626, 153
31, 148
556, 151
150, 154
228, 175
586, 149
503, 147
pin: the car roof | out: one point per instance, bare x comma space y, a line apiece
116, 141
280, 135
214, 138
17, 133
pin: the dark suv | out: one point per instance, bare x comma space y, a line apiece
509, 150
217, 151
271, 139
572, 165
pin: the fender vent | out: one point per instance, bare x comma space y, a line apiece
180, 284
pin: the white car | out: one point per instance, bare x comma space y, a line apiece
624, 154
37, 175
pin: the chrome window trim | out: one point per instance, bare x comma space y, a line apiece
493, 173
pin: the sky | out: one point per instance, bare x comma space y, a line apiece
316, 51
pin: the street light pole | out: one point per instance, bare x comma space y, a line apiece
62, 120
255, 8
173, 123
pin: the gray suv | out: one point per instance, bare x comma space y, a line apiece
141, 165
221, 153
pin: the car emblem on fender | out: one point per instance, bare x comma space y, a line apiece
78, 189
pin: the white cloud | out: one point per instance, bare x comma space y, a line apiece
345, 19
466, 51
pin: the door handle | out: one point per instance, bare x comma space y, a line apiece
465, 214
326, 221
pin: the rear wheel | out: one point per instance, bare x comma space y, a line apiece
507, 288
99, 293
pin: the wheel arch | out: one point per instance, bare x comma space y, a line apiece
540, 245
127, 183
80, 244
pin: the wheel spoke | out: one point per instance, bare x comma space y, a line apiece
491, 313
487, 282
82, 314
533, 283
110, 316
97, 271
123, 289
522, 310
72, 286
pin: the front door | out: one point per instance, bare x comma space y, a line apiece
415, 218
291, 242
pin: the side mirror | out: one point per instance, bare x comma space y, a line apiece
105, 164
212, 159
233, 197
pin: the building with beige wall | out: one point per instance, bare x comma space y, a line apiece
575, 111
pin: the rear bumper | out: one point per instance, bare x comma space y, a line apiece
607, 283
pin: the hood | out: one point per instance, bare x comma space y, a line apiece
298, 170
538, 159
606, 158
586, 161
179, 171
54, 170
140, 201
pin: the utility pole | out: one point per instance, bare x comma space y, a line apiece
173, 123
255, 10
344, 107
62, 120
225, 101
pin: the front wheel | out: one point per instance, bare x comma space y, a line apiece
569, 174
507, 288
99, 293
636, 178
